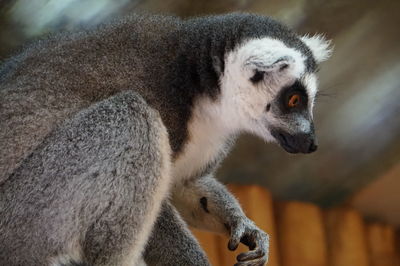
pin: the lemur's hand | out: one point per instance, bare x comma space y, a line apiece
245, 231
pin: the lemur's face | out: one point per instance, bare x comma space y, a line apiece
272, 91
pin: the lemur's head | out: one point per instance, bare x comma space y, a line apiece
271, 89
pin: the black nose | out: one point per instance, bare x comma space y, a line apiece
295, 143
313, 147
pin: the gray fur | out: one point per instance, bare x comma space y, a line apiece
223, 214
82, 119
171, 243
80, 183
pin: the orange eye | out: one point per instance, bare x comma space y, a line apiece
294, 100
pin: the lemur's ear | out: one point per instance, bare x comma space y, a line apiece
319, 46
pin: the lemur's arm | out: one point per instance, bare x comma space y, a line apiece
206, 204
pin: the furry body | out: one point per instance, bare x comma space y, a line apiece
89, 125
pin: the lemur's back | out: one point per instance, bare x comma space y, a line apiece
54, 78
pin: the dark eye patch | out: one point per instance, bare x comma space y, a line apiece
286, 94
258, 76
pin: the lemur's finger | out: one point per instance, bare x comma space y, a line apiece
261, 240
257, 241
251, 255
236, 235
233, 243
258, 262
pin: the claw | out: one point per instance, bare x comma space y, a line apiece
233, 244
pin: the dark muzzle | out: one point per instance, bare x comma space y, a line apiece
295, 143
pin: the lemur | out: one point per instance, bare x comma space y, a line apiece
109, 136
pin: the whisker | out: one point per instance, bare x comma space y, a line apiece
325, 94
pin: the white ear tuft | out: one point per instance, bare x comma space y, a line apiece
319, 46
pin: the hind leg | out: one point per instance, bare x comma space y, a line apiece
91, 192
171, 243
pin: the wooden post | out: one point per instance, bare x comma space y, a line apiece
381, 245
346, 238
302, 240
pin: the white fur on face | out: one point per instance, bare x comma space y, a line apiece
242, 104
247, 101
310, 81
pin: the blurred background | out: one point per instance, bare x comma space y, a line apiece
357, 119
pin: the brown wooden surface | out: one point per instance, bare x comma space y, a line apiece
301, 234
398, 244
211, 244
346, 238
381, 241
304, 235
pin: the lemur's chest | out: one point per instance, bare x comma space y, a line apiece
204, 149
